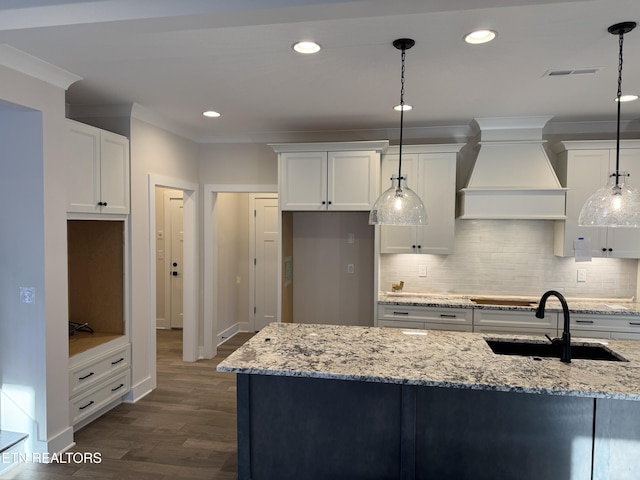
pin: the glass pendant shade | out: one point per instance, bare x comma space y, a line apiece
398, 205
617, 204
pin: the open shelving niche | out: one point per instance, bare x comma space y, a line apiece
97, 281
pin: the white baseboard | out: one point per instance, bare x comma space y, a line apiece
61, 442
139, 391
231, 331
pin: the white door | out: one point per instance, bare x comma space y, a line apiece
265, 261
174, 247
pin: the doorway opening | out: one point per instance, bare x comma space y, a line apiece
237, 270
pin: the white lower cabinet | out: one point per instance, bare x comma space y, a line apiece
615, 327
98, 381
429, 318
486, 320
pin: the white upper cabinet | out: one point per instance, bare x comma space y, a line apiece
320, 176
430, 171
583, 167
97, 170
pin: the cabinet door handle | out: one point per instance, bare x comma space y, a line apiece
589, 322
448, 315
419, 246
87, 405
118, 387
86, 376
401, 313
634, 324
117, 361
323, 202
329, 202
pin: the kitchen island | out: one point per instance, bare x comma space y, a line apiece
318, 401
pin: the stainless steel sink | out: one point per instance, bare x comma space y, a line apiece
591, 351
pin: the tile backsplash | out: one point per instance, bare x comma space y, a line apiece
509, 257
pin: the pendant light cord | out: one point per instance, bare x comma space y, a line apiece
401, 120
619, 96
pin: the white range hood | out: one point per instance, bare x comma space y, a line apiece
512, 177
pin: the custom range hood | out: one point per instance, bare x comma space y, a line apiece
512, 177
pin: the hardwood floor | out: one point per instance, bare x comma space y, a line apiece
185, 429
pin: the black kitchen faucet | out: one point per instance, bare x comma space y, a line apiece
565, 341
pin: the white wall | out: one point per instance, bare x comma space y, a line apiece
508, 257
34, 339
159, 152
238, 164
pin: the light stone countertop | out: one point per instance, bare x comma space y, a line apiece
433, 358
576, 305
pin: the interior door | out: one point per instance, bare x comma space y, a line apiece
266, 261
175, 238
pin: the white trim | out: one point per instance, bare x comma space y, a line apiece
210, 257
375, 145
139, 391
22, 62
190, 282
227, 334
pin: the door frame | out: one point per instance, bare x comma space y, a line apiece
210, 257
190, 287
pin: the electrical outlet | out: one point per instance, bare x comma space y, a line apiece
350, 237
351, 268
422, 270
27, 295
582, 275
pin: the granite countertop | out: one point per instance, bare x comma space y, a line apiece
607, 306
431, 358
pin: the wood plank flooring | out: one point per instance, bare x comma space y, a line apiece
184, 430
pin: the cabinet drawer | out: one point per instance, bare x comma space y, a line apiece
400, 324
90, 373
452, 316
518, 319
515, 330
606, 323
100, 396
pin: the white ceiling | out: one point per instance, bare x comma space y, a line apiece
177, 58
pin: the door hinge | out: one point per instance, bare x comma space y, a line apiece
255, 213
254, 262
255, 310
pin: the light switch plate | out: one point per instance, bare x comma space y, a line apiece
582, 275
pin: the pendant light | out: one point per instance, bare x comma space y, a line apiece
617, 204
399, 205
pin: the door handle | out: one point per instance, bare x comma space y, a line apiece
175, 264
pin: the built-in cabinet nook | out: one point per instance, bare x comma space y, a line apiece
98, 265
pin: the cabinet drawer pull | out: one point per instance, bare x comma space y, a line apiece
634, 324
87, 405
86, 376
448, 315
117, 361
118, 387
589, 322
401, 313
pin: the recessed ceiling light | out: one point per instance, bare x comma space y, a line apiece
480, 36
211, 114
306, 47
627, 98
405, 107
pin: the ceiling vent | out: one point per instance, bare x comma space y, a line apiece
564, 72
512, 177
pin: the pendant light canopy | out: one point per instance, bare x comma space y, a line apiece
399, 205
617, 204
